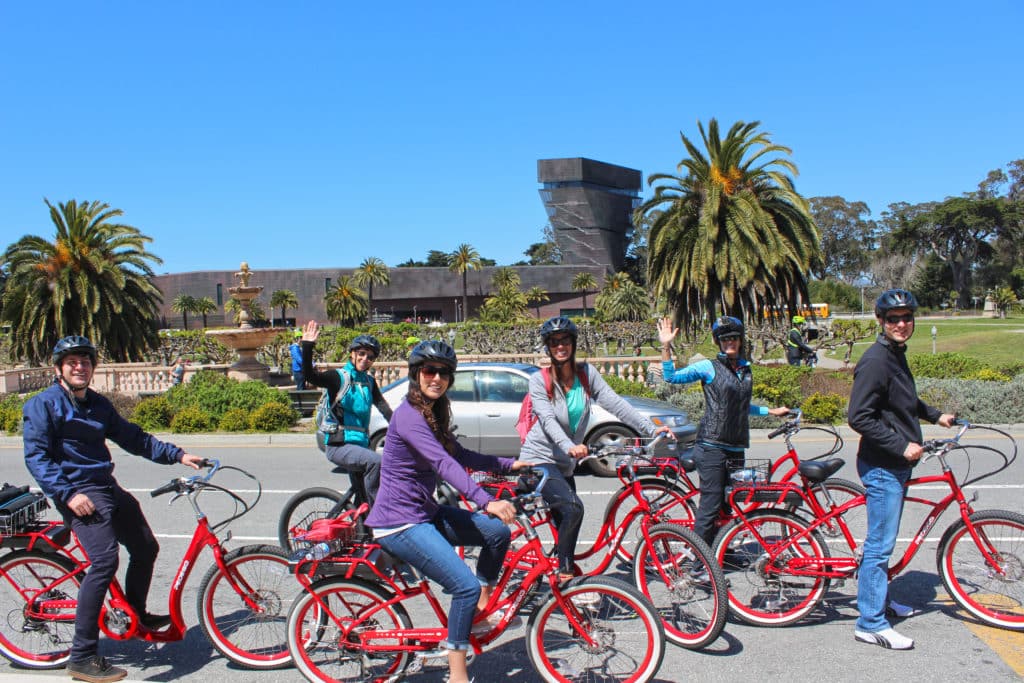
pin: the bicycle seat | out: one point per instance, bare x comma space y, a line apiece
818, 471
687, 462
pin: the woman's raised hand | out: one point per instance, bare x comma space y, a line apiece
666, 333
311, 332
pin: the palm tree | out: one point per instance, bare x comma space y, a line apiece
623, 299
732, 234
205, 306
537, 295
584, 282
283, 299
234, 307
505, 278
372, 271
345, 302
465, 258
184, 304
93, 279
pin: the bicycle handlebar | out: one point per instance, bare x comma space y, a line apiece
182, 484
790, 425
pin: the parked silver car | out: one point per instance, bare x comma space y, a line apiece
486, 398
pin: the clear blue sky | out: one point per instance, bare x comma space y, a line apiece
316, 134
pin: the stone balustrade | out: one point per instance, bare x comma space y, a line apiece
142, 378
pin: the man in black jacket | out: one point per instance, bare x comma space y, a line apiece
886, 411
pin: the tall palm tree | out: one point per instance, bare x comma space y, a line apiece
372, 271
93, 279
732, 235
464, 259
184, 304
505, 278
345, 302
204, 307
537, 295
584, 282
283, 299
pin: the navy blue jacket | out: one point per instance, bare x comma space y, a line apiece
65, 441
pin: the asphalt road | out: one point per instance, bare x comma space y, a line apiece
949, 644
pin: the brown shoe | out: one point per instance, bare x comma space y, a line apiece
95, 670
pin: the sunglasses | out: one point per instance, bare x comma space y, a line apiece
896, 319
559, 341
363, 353
431, 371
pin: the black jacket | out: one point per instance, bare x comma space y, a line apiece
884, 407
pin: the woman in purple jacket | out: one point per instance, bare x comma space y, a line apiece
407, 521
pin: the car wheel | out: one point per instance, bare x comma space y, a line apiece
618, 435
377, 441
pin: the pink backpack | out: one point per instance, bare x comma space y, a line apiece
526, 417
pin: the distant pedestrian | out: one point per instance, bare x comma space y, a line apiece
178, 372
796, 348
295, 349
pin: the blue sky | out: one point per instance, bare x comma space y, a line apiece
317, 134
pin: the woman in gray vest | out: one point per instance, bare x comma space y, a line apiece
724, 431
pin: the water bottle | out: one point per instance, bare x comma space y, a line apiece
319, 551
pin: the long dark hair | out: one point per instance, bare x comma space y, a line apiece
438, 414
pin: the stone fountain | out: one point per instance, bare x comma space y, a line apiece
246, 339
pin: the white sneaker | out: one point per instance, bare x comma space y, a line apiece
887, 638
900, 611
488, 624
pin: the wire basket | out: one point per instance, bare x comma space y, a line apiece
750, 474
17, 515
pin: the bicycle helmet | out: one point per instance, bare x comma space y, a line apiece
727, 327
894, 298
799, 320
73, 344
558, 324
365, 341
433, 350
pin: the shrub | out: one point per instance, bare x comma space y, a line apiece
153, 414
235, 420
272, 417
976, 400
10, 413
624, 387
943, 365
825, 408
779, 385
988, 375
215, 395
249, 396
190, 420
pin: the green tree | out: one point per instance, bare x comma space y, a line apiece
204, 307
345, 303
1004, 298
505, 278
372, 271
93, 279
283, 299
733, 234
184, 304
847, 237
464, 259
584, 282
537, 295
256, 312
544, 253
622, 299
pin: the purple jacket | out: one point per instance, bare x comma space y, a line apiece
413, 459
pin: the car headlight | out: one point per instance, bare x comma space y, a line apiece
670, 420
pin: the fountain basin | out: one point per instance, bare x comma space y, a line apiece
246, 342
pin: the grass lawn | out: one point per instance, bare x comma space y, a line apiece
994, 341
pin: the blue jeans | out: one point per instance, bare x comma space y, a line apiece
884, 496
428, 548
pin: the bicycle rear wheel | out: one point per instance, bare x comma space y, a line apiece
673, 505
26, 637
253, 638
627, 642
307, 506
761, 590
855, 519
320, 649
994, 593
676, 572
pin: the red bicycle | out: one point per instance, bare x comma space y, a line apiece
355, 625
242, 602
780, 565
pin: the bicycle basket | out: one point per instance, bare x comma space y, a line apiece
751, 474
17, 514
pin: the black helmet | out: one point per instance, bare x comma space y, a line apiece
726, 326
73, 344
433, 350
894, 298
558, 324
365, 341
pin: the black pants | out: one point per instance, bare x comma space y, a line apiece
713, 466
567, 511
117, 520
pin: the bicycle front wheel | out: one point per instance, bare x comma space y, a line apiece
672, 502
613, 635
986, 580
676, 572
319, 646
35, 635
304, 508
855, 519
754, 557
252, 635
